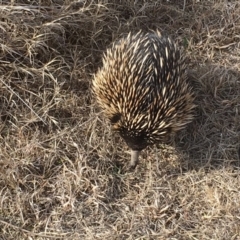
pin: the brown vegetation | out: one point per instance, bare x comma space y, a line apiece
62, 169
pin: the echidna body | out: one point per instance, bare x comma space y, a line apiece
143, 90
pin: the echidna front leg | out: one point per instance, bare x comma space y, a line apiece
134, 159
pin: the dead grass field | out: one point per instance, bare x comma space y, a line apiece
62, 170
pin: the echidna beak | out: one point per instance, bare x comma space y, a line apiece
134, 158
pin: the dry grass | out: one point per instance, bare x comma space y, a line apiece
62, 170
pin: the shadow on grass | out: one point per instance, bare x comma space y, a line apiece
212, 139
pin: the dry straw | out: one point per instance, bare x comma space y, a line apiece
65, 178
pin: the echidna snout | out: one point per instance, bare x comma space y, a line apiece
143, 90
136, 144
134, 158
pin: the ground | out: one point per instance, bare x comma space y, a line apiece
62, 170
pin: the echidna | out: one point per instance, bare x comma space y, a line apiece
143, 90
